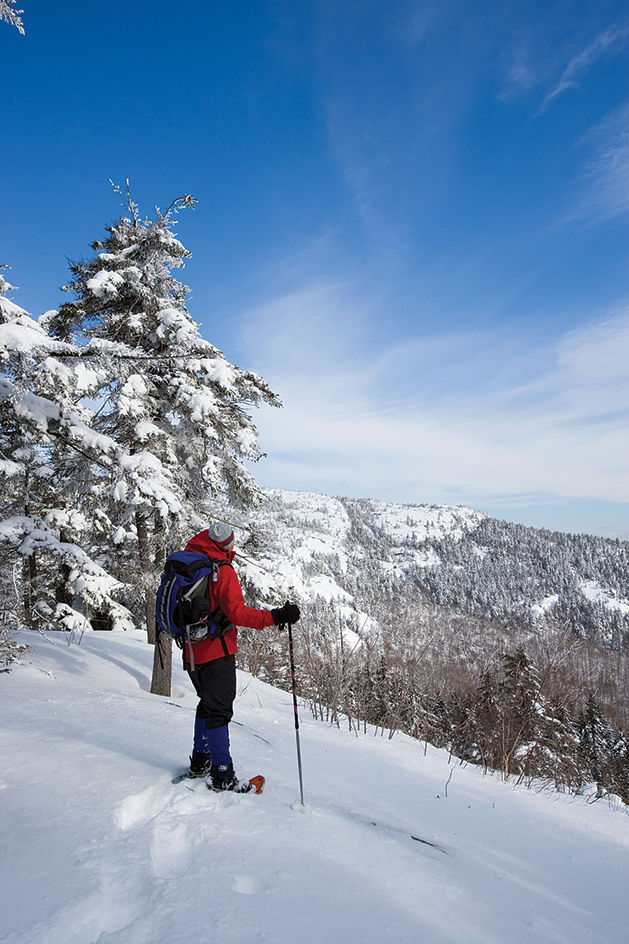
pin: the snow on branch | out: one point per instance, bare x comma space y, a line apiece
22, 335
187, 201
9, 14
87, 579
144, 471
128, 202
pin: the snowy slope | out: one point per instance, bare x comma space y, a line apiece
99, 846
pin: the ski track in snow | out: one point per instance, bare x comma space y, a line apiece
99, 846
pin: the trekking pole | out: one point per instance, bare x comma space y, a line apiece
292, 673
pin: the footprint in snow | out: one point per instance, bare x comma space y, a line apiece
248, 884
172, 848
138, 809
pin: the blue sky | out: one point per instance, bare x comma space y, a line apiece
411, 221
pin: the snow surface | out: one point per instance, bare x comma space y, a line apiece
98, 845
540, 609
593, 591
421, 522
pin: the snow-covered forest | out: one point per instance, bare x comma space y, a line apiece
507, 645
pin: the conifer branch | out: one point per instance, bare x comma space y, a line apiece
10, 15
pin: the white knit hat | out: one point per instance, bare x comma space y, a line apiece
221, 534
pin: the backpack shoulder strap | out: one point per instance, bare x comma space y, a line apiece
216, 566
217, 615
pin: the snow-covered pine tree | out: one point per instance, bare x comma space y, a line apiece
20, 459
54, 579
519, 697
171, 400
596, 745
486, 722
620, 768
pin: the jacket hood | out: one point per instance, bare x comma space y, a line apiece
201, 544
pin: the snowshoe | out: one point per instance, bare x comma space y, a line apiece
222, 778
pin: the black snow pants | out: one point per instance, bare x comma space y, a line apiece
215, 684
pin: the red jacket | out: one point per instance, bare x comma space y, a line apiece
227, 594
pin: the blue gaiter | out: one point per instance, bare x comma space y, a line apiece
201, 742
214, 741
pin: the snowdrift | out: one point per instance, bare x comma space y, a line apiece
395, 844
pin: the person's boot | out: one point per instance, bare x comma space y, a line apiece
224, 778
200, 764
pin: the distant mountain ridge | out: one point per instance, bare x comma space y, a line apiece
350, 552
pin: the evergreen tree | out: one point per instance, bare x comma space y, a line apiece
485, 721
597, 745
21, 461
169, 399
619, 783
57, 581
518, 698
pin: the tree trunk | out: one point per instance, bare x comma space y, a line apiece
163, 653
29, 571
148, 577
62, 590
162, 665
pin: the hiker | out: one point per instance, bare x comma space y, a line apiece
212, 668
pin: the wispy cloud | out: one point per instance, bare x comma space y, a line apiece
414, 422
609, 40
605, 179
589, 384
519, 71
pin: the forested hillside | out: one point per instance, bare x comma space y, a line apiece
507, 645
357, 552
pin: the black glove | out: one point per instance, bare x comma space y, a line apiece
289, 613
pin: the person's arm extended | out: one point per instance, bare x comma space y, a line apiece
231, 601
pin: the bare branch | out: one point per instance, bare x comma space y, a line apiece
128, 202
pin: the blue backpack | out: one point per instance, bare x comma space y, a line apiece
183, 608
